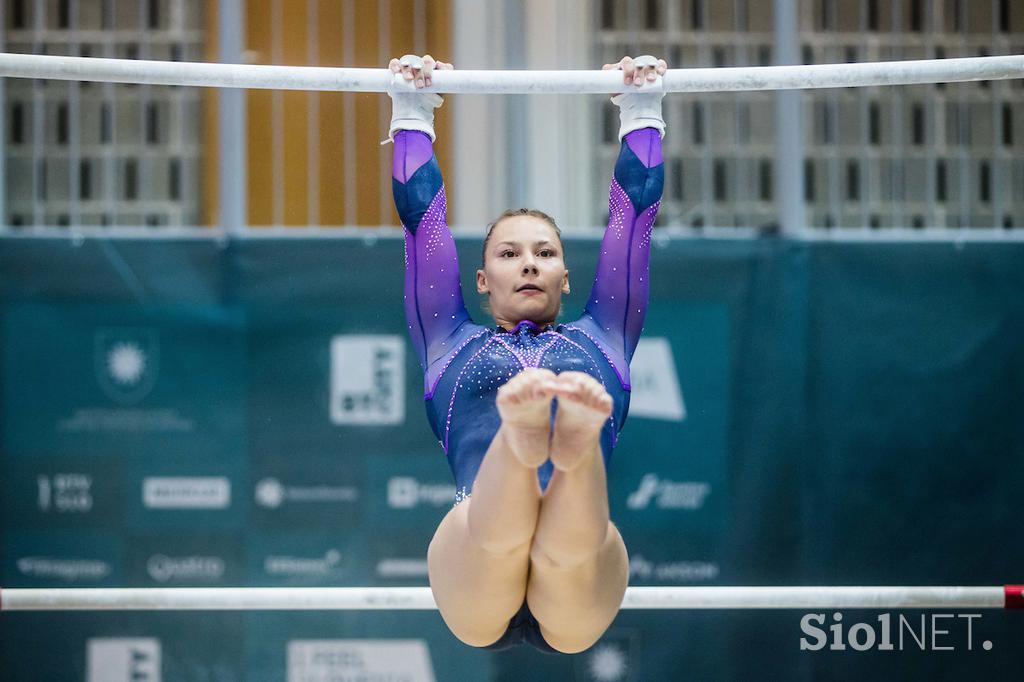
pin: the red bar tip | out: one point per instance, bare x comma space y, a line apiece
1014, 596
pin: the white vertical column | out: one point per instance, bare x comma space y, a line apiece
143, 190
185, 205
385, 208
789, 144
38, 121
707, 108
74, 126
478, 185
109, 104
231, 125
560, 129
997, 181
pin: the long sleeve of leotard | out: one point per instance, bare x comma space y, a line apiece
618, 300
433, 295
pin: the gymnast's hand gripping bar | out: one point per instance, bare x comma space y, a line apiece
420, 598
730, 79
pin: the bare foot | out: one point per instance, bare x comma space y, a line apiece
583, 408
524, 404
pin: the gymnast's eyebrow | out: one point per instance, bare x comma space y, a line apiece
540, 243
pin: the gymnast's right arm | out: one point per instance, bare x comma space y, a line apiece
434, 308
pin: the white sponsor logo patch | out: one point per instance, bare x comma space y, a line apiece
367, 379
123, 660
607, 662
163, 569
367, 660
402, 568
655, 391
405, 492
126, 362
672, 571
64, 569
64, 493
271, 493
668, 494
303, 566
212, 492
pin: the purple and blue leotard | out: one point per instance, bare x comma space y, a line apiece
465, 363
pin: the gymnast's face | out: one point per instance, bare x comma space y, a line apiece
524, 272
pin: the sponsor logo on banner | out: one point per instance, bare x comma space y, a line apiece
294, 566
672, 571
271, 493
181, 492
402, 568
127, 362
122, 660
165, 569
64, 493
666, 494
614, 658
70, 570
655, 390
372, 660
367, 379
406, 492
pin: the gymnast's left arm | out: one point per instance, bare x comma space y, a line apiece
618, 300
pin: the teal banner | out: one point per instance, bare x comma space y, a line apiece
196, 413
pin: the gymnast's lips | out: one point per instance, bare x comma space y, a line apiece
529, 289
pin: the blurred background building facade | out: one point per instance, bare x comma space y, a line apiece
942, 156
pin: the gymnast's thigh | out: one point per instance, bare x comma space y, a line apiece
574, 606
477, 592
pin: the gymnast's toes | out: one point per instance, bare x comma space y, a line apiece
524, 404
583, 408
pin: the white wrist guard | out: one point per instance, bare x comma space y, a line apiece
642, 108
410, 108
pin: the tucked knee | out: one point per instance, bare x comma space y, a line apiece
497, 545
570, 644
564, 556
570, 549
477, 637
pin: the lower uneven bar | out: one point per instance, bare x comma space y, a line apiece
420, 598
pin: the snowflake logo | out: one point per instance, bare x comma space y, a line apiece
126, 363
269, 493
607, 663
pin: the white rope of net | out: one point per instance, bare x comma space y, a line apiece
510, 82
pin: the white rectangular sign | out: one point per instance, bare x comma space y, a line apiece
205, 492
367, 660
367, 379
123, 660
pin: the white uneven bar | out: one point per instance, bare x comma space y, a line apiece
420, 598
510, 82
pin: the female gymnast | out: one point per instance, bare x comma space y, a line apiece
527, 410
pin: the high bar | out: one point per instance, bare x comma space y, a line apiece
420, 598
728, 79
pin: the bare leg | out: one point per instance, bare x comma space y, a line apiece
578, 563
479, 558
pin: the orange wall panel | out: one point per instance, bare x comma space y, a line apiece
368, 200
